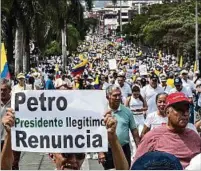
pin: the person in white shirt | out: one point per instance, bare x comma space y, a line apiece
63, 83
138, 106
158, 117
149, 93
180, 88
124, 87
164, 85
104, 79
21, 84
187, 82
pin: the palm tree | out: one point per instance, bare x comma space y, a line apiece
42, 22
7, 20
67, 12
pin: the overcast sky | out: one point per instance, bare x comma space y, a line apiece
101, 3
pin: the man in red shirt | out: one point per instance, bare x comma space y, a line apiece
173, 138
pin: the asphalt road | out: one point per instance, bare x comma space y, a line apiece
41, 161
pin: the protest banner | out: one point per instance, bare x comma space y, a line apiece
59, 121
112, 64
143, 70
129, 73
99, 55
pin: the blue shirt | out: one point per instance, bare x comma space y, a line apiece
125, 122
49, 85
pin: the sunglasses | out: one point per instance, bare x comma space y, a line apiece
79, 156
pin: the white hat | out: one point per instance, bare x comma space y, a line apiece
121, 74
184, 72
138, 79
90, 78
198, 83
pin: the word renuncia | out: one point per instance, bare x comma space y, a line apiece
55, 122
58, 141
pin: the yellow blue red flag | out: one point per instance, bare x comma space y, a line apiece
4, 64
79, 69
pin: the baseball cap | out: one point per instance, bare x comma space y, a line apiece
184, 72
153, 76
176, 98
121, 74
138, 79
20, 75
177, 81
157, 160
163, 78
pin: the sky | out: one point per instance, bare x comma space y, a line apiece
100, 3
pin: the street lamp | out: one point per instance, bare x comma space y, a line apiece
120, 17
196, 35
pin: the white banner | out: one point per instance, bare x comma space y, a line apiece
143, 70
112, 21
59, 121
129, 73
112, 64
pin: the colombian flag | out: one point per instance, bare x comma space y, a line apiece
139, 53
79, 69
4, 64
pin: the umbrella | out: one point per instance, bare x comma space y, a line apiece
120, 40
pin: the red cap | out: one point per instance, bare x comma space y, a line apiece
176, 98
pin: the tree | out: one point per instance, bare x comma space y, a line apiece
66, 12
91, 23
170, 27
41, 22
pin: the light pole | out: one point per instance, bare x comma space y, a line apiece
120, 18
139, 8
196, 35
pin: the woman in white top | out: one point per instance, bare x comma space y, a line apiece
156, 118
159, 117
138, 106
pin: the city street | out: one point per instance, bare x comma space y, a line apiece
41, 161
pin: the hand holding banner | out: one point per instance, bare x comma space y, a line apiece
60, 121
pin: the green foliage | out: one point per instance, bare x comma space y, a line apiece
91, 23
168, 26
73, 37
52, 49
43, 21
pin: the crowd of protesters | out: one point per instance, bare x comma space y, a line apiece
153, 116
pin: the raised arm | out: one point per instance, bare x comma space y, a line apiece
7, 154
119, 158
